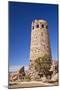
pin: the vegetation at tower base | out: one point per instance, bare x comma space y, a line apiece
27, 78
43, 65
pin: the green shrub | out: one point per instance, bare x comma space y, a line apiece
27, 78
43, 64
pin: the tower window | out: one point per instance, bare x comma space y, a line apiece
37, 26
42, 26
46, 27
33, 27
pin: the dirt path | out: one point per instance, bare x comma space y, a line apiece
29, 84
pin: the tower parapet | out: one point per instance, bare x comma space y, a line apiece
39, 24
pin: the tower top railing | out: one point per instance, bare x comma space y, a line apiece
39, 24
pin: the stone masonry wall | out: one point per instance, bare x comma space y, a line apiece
40, 44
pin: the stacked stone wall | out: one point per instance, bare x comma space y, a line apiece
40, 43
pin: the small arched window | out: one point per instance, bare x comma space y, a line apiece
42, 25
37, 26
32, 27
47, 27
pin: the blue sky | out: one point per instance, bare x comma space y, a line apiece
21, 16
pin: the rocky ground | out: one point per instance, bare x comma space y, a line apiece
30, 84
24, 81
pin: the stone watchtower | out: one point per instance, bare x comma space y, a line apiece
40, 44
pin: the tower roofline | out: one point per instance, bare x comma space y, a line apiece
39, 20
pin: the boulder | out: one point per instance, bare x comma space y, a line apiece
44, 79
55, 77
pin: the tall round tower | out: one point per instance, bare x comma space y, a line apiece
40, 44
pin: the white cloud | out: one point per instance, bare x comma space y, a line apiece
26, 67
16, 67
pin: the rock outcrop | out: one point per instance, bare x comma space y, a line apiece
21, 73
17, 75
